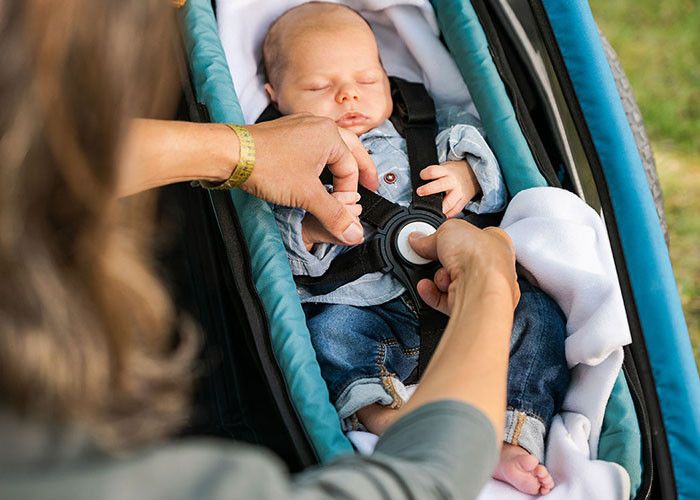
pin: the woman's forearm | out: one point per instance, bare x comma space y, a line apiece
470, 362
164, 152
477, 287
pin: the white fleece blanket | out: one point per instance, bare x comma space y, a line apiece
406, 31
563, 243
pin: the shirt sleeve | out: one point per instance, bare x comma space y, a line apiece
301, 261
443, 450
461, 142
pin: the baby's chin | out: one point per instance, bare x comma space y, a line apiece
362, 128
359, 129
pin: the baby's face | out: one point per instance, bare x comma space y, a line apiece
336, 75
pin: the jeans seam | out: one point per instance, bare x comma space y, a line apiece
393, 342
524, 384
526, 413
520, 418
387, 377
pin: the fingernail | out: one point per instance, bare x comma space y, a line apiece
416, 235
353, 233
357, 197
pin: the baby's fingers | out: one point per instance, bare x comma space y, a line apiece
441, 185
433, 172
453, 203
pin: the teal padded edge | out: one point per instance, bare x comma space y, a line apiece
467, 42
654, 288
273, 279
620, 438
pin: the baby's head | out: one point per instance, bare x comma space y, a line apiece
322, 58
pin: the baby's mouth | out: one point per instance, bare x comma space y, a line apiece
350, 119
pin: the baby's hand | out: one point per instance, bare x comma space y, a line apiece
456, 179
312, 231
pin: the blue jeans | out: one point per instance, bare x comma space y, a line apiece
365, 354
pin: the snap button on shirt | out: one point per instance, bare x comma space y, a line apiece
390, 177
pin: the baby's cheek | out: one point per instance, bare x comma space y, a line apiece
307, 106
288, 107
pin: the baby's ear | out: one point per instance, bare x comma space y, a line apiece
270, 92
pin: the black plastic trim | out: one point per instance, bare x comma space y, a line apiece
241, 276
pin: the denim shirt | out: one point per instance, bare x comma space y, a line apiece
462, 140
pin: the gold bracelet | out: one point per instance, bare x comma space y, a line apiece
246, 160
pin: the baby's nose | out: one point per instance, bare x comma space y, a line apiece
347, 93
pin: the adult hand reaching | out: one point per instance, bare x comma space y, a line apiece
292, 151
477, 286
468, 255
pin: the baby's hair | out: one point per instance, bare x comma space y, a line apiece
274, 62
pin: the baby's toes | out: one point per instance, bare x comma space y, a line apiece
545, 479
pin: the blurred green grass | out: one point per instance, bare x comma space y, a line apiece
659, 46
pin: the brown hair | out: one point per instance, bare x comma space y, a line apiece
86, 326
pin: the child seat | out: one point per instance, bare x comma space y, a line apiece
584, 138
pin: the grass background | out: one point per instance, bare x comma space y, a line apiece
658, 43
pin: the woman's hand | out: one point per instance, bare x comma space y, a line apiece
290, 154
473, 260
477, 288
292, 151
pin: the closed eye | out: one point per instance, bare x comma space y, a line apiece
317, 88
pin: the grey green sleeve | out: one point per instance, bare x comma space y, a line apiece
442, 450
445, 449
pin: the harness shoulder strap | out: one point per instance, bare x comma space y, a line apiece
414, 118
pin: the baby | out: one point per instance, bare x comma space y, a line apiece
323, 59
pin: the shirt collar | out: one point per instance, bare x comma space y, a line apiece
386, 129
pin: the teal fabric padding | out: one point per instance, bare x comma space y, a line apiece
273, 279
620, 438
467, 42
648, 263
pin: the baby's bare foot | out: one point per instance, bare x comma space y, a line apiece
517, 467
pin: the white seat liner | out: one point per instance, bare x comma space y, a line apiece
406, 31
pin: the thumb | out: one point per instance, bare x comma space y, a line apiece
335, 217
425, 246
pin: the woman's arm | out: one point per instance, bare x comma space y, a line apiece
445, 443
444, 446
290, 154
477, 287
162, 152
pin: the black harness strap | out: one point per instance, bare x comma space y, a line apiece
347, 267
414, 118
376, 210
